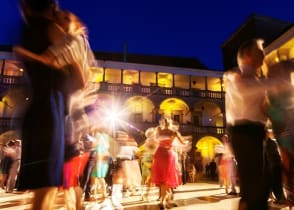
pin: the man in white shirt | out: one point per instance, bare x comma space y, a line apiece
246, 118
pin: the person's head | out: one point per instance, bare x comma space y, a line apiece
225, 138
165, 123
250, 56
33, 8
70, 22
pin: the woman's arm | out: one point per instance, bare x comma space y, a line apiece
44, 58
55, 34
180, 138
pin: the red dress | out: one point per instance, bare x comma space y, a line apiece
73, 169
164, 165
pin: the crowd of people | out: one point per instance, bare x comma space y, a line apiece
62, 147
92, 172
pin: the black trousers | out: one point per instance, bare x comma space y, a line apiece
86, 178
247, 142
273, 163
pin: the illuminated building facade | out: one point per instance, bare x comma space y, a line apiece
150, 87
191, 96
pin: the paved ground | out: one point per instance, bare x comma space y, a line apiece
200, 196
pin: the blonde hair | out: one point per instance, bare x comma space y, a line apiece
74, 24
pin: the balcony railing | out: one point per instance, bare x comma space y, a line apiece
186, 129
202, 130
15, 81
8, 82
7, 123
156, 90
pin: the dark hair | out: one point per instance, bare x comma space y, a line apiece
245, 48
39, 5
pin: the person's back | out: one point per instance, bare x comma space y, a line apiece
280, 110
43, 129
45, 84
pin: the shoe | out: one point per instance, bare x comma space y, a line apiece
171, 205
232, 193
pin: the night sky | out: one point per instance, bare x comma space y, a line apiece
183, 28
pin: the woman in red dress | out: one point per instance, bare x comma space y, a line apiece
164, 173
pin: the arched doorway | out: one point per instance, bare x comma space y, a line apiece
139, 109
207, 113
175, 109
206, 146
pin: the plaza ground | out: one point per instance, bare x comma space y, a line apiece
198, 196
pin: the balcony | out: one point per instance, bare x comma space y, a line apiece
156, 90
8, 82
7, 124
187, 129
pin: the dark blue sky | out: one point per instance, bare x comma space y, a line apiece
185, 28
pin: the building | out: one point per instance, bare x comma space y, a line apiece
147, 88
255, 26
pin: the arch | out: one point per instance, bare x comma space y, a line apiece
207, 113
139, 109
206, 146
176, 109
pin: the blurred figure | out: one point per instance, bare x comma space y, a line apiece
102, 165
72, 48
75, 160
89, 145
126, 162
230, 166
15, 154
164, 172
273, 164
145, 155
43, 132
281, 113
227, 173
212, 169
246, 118
6, 163
191, 172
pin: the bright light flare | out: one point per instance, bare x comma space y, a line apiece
112, 117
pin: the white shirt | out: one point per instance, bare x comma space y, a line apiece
127, 152
245, 98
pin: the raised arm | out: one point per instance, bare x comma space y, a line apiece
180, 137
56, 33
